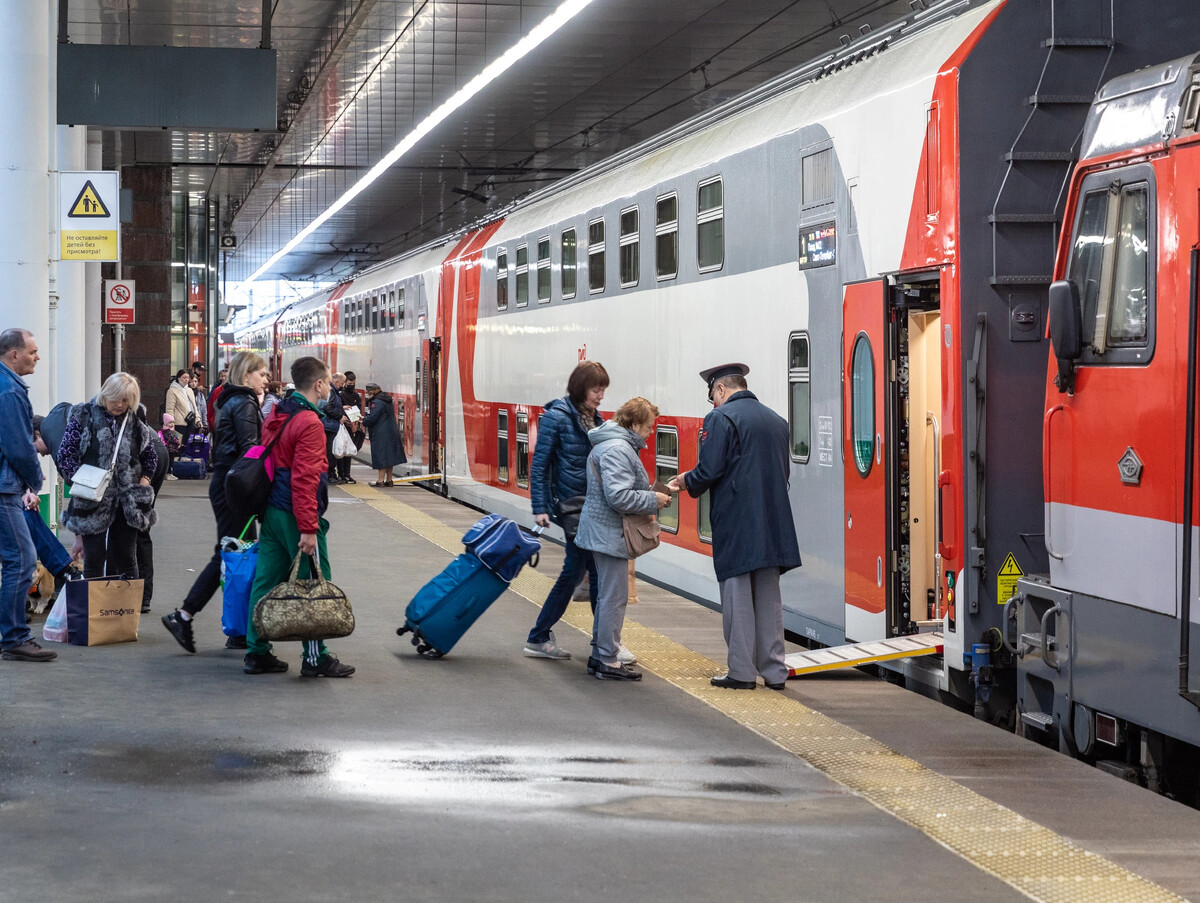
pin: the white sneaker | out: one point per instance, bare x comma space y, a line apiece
625, 657
548, 649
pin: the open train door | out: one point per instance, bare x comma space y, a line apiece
865, 368
433, 406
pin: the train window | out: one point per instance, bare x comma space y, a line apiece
666, 468
710, 226
816, 178
417, 372
1110, 263
630, 237
862, 404
375, 313
567, 276
502, 281
400, 418
543, 270
391, 313
400, 307
596, 256
933, 181
799, 397
522, 275
703, 509
666, 237
523, 450
502, 446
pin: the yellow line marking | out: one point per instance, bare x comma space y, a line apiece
1025, 855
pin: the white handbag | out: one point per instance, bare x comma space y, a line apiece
91, 482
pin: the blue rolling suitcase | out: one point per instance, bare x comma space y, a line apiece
446, 607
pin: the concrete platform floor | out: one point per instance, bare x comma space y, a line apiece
139, 772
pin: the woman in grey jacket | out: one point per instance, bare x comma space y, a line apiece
617, 484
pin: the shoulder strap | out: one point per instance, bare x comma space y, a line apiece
275, 438
117, 444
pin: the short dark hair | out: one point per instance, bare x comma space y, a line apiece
183, 371
37, 422
350, 375
588, 375
307, 370
13, 340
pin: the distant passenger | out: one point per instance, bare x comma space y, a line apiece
745, 463
557, 483
352, 420
201, 397
331, 418
20, 481
387, 445
292, 519
273, 397
181, 404
222, 377
238, 428
617, 485
97, 431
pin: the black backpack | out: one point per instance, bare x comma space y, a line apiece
248, 483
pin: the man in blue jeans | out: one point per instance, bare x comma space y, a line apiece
20, 480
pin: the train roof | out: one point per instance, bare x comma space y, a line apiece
1143, 108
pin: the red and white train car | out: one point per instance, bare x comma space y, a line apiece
874, 235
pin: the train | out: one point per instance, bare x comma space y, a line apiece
954, 256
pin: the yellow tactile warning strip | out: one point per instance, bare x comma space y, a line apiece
1030, 858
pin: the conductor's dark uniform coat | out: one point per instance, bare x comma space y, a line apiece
744, 463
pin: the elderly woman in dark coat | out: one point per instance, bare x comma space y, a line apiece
387, 445
96, 430
616, 485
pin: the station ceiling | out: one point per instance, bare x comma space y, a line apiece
356, 76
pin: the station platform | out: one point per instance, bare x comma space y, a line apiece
139, 772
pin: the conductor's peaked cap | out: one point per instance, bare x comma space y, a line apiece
712, 374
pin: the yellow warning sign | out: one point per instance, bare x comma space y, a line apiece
88, 203
1006, 579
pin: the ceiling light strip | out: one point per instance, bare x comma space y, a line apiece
544, 29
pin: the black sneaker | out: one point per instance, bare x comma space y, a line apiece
235, 642
145, 608
266, 663
349, 480
180, 629
328, 666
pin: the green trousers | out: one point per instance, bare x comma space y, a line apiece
278, 545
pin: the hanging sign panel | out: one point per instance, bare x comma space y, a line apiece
89, 214
119, 298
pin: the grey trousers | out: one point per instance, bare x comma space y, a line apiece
752, 615
612, 596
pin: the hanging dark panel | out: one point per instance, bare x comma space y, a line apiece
200, 88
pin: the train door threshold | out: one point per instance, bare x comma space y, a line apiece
856, 654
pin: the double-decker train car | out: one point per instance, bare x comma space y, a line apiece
874, 235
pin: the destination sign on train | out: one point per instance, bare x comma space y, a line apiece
818, 245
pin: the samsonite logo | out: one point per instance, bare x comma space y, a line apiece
114, 612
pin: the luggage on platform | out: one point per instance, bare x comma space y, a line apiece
189, 469
445, 608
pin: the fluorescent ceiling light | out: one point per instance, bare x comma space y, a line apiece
544, 29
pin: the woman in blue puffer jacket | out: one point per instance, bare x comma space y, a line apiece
557, 474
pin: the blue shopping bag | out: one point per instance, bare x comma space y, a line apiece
237, 579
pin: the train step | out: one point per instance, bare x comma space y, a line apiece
857, 654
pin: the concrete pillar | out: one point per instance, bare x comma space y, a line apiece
146, 258
24, 178
72, 336
93, 288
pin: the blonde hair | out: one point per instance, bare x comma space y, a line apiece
120, 386
243, 364
634, 412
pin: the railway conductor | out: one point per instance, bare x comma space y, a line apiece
744, 462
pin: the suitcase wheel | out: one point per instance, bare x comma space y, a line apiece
427, 651
400, 631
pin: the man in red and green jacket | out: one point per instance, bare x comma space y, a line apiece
292, 520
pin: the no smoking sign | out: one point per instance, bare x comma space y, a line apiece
119, 297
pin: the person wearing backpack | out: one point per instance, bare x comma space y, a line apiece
237, 429
292, 519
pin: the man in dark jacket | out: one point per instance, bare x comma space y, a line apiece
744, 462
20, 481
331, 418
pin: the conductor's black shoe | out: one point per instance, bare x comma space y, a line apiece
328, 666
779, 686
265, 663
180, 629
602, 671
726, 682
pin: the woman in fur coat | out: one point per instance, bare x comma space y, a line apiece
109, 527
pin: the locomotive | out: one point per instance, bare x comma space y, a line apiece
877, 235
